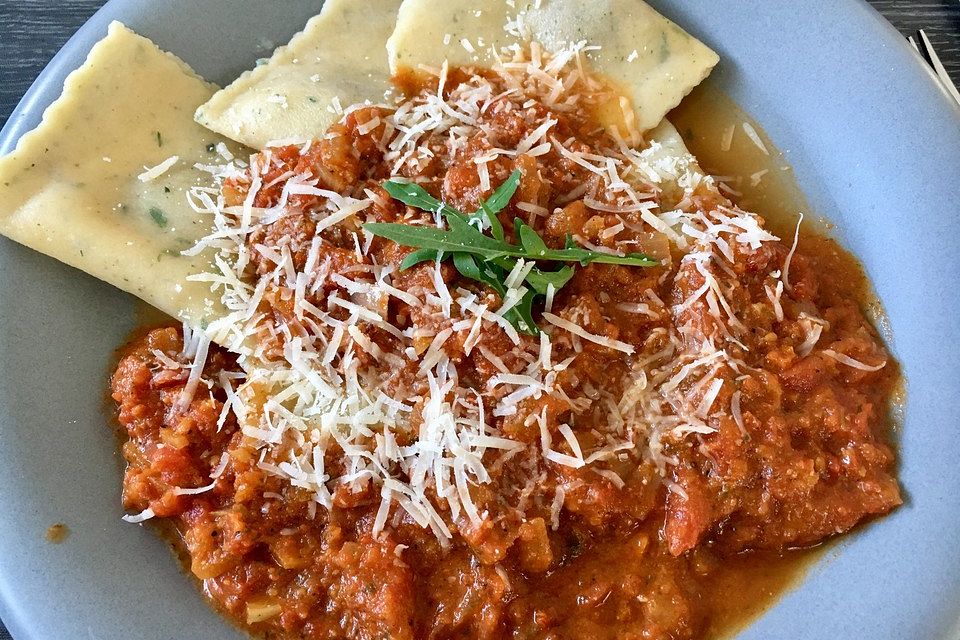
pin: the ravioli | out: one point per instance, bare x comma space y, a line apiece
649, 58
337, 60
71, 188
668, 163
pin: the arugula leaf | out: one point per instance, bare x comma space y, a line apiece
530, 240
504, 193
489, 258
416, 196
498, 202
467, 265
521, 315
540, 280
437, 239
464, 237
418, 256
484, 213
469, 234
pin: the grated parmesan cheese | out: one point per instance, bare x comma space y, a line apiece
755, 137
153, 173
577, 330
143, 516
852, 362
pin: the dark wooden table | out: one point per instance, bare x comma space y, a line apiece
31, 32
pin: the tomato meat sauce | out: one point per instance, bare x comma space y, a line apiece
775, 445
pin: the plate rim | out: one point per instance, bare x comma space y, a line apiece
46, 88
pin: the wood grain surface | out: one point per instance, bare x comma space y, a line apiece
32, 31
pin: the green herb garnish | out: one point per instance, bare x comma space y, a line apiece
489, 259
159, 139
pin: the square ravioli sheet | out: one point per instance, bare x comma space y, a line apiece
337, 60
647, 57
101, 184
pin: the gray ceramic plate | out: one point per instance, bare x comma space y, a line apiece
876, 146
